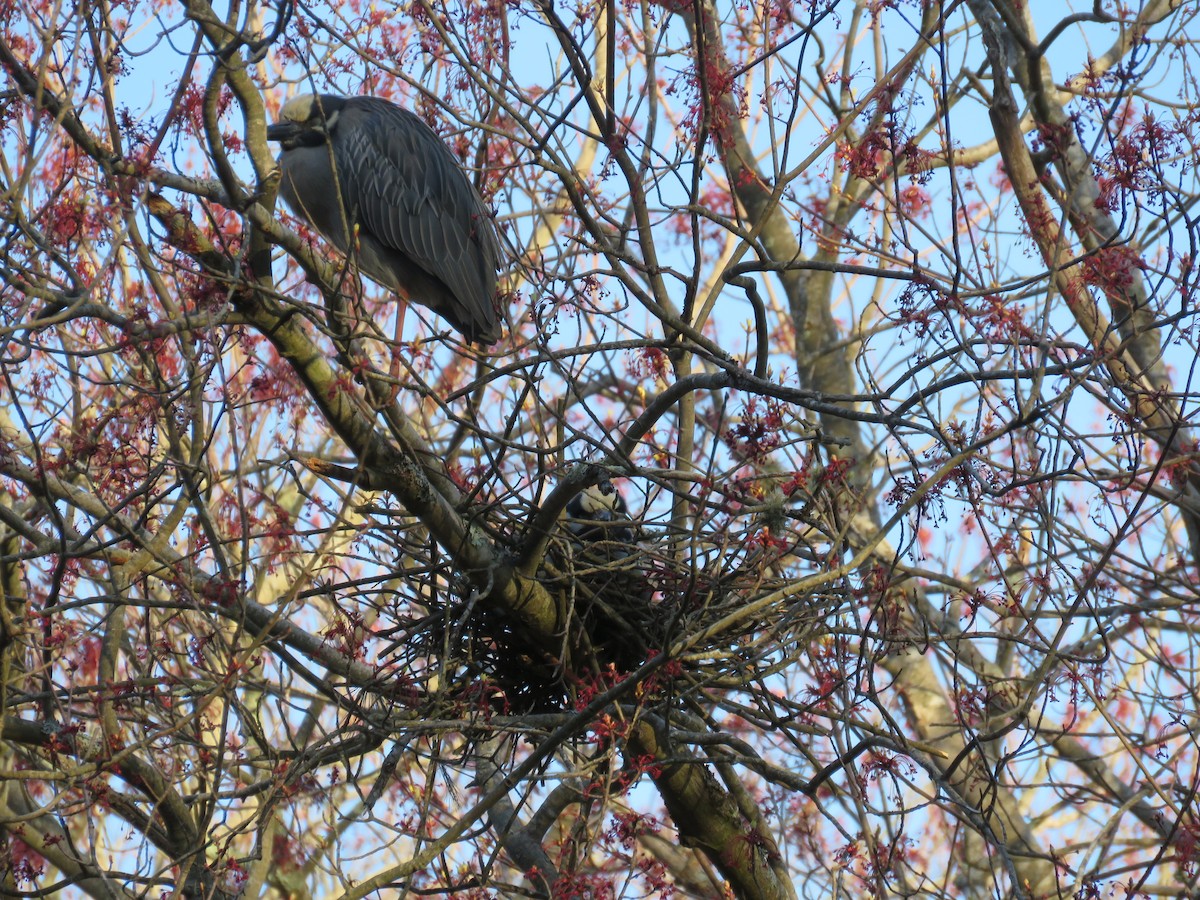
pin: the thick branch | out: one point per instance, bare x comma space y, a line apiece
708, 818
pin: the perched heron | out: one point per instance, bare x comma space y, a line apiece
381, 186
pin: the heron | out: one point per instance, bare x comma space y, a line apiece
610, 583
382, 187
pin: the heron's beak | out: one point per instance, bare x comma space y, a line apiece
284, 132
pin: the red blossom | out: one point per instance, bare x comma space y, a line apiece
651, 363
1113, 269
26, 864
757, 433
915, 202
868, 159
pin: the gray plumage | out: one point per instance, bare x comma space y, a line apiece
423, 231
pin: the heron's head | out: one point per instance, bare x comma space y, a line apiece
599, 513
601, 502
306, 121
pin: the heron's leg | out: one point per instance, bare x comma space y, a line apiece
394, 368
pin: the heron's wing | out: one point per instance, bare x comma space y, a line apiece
412, 196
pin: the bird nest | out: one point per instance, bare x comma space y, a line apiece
624, 606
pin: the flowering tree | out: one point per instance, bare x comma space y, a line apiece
879, 316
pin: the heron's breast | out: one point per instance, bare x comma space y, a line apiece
311, 190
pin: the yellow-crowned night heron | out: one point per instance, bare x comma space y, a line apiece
612, 595
381, 186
